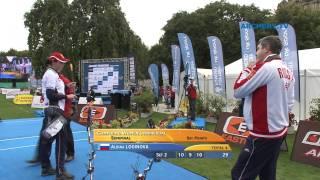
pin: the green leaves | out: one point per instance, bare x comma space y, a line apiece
211, 104
306, 23
216, 19
84, 29
315, 109
144, 100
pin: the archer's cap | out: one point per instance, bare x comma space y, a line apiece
58, 56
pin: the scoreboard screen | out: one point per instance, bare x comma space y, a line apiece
104, 75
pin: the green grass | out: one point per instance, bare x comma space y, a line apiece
9, 110
211, 168
220, 168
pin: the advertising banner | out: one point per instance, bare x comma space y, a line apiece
99, 114
248, 43
12, 94
188, 56
132, 71
23, 99
165, 75
154, 76
176, 58
218, 75
289, 54
234, 130
306, 148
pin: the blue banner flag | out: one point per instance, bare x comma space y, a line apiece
154, 75
248, 43
188, 56
176, 58
289, 54
132, 71
218, 75
165, 75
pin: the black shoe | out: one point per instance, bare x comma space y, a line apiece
48, 171
69, 158
33, 161
65, 176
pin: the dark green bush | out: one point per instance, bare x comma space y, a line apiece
144, 101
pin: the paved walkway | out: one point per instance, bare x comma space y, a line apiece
162, 108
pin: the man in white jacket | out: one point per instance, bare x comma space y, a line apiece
267, 87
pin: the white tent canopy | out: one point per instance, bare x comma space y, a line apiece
309, 65
308, 59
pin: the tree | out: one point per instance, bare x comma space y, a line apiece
100, 30
13, 52
47, 23
84, 29
219, 19
305, 21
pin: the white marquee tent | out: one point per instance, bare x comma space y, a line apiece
309, 65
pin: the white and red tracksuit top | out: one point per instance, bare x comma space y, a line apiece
268, 89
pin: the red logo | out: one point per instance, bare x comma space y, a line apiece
97, 113
236, 126
312, 138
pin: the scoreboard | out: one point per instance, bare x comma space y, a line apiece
163, 143
105, 75
170, 150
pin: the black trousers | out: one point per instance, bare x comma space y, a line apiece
69, 141
46, 144
156, 101
258, 157
192, 108
172, 102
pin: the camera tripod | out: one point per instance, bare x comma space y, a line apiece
183, 105
184, 96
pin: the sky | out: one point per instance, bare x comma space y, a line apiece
145, 17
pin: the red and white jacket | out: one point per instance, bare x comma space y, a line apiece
268, 89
